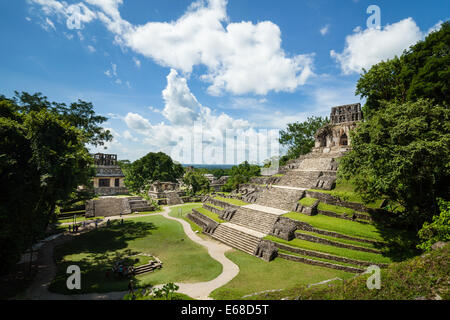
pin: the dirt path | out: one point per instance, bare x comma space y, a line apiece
201, 291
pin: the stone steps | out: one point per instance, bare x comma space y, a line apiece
279, 198
254, 219
148, 268
139, 205
236, 237
300, 179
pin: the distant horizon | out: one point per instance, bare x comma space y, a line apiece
209, 166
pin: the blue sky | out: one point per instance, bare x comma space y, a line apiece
156, 68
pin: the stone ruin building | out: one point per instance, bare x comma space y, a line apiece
109, 178
336, 135
270, 198
168, 192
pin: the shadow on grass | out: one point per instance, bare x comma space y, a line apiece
400, 243
95, 253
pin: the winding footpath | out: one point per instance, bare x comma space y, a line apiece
38, 290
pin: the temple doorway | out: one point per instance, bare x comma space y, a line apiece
344, 140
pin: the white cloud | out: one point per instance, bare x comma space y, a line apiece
236, 55
137, 62
91, 48
176, 135
128, 136
365, 48
114, 69
325, 30
138, 123
48, 24
436, 27
180, 104
108, 73
28, 18
75, 14
153, 109
118, 81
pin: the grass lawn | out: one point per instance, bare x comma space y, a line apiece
347, 227
319, 259
340, 240
423, 276
94, 252
181, 212
214, 206
211, 215
346, 191
256, 275
343, 252
307, 202
232, 201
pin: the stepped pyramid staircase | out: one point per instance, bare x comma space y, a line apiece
248, 225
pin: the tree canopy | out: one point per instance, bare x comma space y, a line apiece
152, 167
241, 174
299, 137
402, 149
197, 182
402, 152
421, 72
43, 159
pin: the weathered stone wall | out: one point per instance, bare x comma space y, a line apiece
212, 209
106, 207
310, 211
329, 199
326, 256
110, 191
319, 263
266, 250
222, 204
207, 224
284, 228
315, 239
345, 217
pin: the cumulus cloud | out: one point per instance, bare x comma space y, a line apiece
367, 47
236, 55
128, 136
191, 122
181, 106
138, 123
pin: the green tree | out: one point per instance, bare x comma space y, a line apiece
80, 115
421, 72
43, 159
402, 153
197, 182
438, 230
299, 136
153, 167
241, 174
